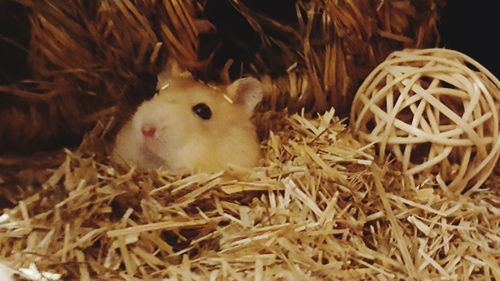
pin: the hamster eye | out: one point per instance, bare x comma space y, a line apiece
202, 110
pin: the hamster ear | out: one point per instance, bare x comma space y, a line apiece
171, 71
246, 92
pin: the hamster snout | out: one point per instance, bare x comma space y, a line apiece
148, 131
192, 126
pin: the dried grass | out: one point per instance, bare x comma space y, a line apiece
318, 208
333, 46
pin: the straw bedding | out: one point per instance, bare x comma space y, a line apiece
318, 208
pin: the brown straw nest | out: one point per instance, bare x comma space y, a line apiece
318, 208
91, 59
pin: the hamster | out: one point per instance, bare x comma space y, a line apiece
191, 126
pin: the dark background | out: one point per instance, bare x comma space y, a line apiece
14, 38
472, 27
467, 26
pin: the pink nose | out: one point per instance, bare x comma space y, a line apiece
148, 131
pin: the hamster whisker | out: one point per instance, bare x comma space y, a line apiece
161, 139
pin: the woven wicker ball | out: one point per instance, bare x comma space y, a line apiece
436, 111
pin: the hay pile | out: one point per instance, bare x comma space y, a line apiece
91, 59
318, 209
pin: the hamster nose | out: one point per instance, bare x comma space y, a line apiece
148, 131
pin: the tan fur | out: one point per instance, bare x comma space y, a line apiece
185, 141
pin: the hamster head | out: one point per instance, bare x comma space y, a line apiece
189, 125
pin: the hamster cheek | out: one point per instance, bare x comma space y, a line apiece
126, 148
194, 155
242, 148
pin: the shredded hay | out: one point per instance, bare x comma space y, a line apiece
318, 208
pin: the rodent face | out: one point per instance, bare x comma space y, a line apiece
196, 128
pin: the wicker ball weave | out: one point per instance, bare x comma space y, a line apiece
436, 111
